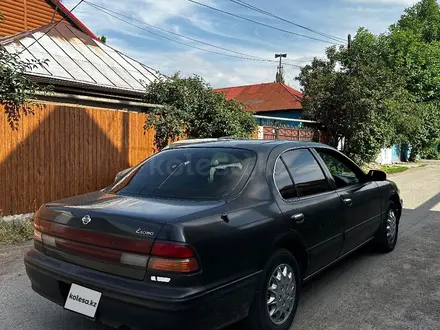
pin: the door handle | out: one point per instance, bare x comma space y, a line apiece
299, 218
348, 201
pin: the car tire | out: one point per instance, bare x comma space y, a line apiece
280, 265
386, 237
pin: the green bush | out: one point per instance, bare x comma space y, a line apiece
12, 232
430, 153
193, 110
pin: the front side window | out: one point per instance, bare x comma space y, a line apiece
341, 172
189, 173
308, 177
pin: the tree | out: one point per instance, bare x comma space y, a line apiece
384, 89
194, 110
423, 19
415, 49
353, 93
419, 126
415, 54
16, 90
103, 39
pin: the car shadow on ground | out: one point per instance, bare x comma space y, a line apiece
327, 276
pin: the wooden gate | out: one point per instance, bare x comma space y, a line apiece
292, 134
287, 133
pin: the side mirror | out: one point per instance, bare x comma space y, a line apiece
376, 175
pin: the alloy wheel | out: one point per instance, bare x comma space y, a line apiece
391, 228
281, 293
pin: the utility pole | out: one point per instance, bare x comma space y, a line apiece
349, 41
280, 77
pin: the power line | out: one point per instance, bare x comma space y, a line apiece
101, 8
299, 61
290, 78
269, 78
54, 12
259, 23
244, 57
163, 30
51, 28
262, 11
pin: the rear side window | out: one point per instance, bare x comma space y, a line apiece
283, 181
189, 173
307, 175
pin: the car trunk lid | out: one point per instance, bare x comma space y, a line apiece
108, 232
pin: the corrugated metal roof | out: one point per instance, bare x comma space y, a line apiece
76, 57
265, 97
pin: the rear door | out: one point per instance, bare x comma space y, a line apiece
309, 206
361, 199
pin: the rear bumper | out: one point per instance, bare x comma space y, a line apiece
139, 304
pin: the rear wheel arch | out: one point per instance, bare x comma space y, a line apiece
293, 244
389, 229
396, 200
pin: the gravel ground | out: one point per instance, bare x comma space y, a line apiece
365, 291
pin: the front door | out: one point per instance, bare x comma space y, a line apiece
309, 206
361, 199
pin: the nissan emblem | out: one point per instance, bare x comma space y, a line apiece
86, 219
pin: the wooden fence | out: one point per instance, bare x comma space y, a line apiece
65, 150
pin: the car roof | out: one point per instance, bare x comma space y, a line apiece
179, 143
256, 145
193, 141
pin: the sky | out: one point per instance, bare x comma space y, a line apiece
230, 34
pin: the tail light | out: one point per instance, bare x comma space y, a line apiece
173, 257
38, 236
37, 232
105, 247
164, 256
174, 265
172, 250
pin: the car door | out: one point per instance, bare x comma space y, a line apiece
309, 206
361, 198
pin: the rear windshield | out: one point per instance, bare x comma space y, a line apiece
189, 173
